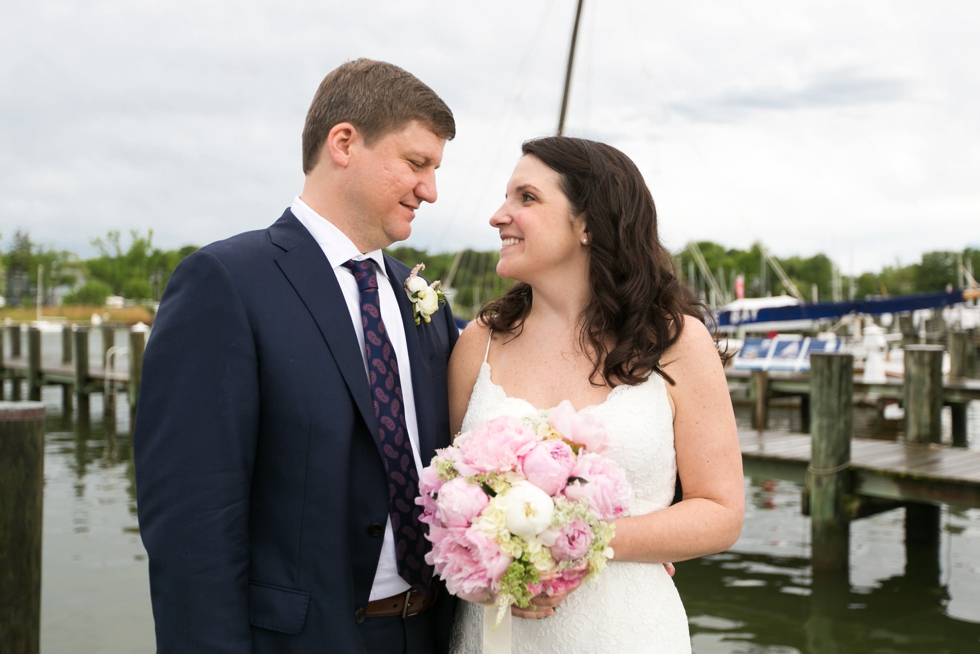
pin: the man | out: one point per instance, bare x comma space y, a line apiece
283, 419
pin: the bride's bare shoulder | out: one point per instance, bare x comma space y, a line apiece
693, 353
472, 345
464, 368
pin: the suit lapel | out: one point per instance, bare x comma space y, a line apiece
312, 276
421, 377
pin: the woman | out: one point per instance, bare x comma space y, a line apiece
598, 318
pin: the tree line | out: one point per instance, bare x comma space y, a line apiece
139, 271
817, 277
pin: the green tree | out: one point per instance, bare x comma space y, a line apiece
23, 261
935, 271
140, 272
91, 293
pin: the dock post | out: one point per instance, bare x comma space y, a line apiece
137, 343
66, 344
805, 413
909, 335
3, 369
34, 364
759, 388
923, 407
81, 372
828, 475
14, 332
961, 357
923, 393
21, 506
108, 341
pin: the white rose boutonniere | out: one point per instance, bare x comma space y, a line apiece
425, 298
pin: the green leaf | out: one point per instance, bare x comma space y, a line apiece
487, 489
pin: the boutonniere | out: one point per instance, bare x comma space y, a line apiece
425, 298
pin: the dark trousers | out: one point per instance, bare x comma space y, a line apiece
394, 635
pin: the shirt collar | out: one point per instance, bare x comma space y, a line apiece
334, 243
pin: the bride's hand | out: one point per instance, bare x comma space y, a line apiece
543, 604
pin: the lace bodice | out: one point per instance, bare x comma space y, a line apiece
632, 607
640, 427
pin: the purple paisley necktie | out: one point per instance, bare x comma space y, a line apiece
386, 391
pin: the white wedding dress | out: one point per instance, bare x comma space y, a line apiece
631, 607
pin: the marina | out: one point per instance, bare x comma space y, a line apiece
764, 595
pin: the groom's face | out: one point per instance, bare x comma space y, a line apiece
391, 178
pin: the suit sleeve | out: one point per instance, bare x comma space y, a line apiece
194, 447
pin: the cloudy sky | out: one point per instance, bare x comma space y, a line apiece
838, 127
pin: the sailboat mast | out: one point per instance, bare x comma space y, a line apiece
568, 71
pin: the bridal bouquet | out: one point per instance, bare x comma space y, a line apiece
522, 505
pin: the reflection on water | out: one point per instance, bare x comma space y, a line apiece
759, 597
94, 584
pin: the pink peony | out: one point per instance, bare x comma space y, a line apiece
429, 484
496, 446
568, 580
577, 428
459, 502
548, 465
605, 488
468, 561
573, 541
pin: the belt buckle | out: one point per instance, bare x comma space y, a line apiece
405, 608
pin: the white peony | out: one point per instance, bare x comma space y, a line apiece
415, 284
428, 301
528, 510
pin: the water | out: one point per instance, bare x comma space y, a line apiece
759, 597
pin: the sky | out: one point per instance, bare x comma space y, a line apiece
837, 127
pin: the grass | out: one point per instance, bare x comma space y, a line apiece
78, 314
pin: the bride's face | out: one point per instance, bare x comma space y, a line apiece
539, 235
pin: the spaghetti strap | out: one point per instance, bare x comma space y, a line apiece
486, 356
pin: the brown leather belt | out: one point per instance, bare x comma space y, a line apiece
403, 605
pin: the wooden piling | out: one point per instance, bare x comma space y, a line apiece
34, 364
923, 424
759, 391
3, 368
961, 355
909, 335
137, 343
805, 413
81, 371
828, 475
923, 393
14, 331
66, 344
108, 341
21, 505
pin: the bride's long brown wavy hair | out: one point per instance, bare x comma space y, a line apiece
637, 304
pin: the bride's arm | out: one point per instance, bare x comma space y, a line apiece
464, 367
709, 461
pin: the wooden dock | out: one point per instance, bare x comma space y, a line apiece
886, 470
78, 379
956, 390
847, 479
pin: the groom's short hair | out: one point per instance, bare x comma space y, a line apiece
375, 97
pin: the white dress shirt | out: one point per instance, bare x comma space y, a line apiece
339, 249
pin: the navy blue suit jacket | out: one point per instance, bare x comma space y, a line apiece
257, 461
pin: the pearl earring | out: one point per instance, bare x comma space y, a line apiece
585, 241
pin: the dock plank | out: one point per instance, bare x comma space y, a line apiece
885, 469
